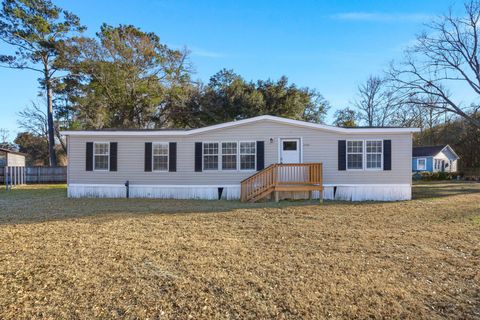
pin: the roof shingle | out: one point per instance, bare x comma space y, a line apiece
426, 151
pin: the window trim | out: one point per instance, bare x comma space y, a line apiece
220, 155
153, 155
108, 156
425, 165
239, 167
381, 155
363, 155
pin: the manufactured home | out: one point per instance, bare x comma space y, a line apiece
246, 159
434, 159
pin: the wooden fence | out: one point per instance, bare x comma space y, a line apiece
40, 174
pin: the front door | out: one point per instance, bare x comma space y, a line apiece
290, 151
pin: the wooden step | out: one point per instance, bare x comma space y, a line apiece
261, 195
298, 187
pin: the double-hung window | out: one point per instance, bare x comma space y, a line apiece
160, 156
210, 156
229, 156
247, 155
374, 153
101, 155
421, 164
355, 154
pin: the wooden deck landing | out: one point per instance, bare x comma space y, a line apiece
276, 178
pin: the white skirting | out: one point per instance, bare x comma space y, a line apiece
96, 191
373, 192
364, 192
230, 192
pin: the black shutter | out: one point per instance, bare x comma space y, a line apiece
198, 157
387, 154
342, 155
113, 156
148, 156
260, 155
172, 156
89, 157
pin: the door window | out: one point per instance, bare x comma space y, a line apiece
290, 145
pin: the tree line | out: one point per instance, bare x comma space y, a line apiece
124, 77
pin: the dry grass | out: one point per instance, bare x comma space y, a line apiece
96, 258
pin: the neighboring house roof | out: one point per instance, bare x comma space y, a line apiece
12, 151
183, 132
431, 151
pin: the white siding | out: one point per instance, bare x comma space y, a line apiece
319, 145
452, 164
15, 160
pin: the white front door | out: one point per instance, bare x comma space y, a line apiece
290, 151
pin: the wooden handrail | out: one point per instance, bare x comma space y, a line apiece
257, 173
281, 174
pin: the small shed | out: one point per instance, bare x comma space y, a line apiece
12, 167
10, 158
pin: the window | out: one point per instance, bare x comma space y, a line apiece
101, 155
421, 164
229, 156
374, 154
247, 155
210, 156
290, 145
355, 154
160, 156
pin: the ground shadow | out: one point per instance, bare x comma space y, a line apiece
47, 203
38, 205
443, 189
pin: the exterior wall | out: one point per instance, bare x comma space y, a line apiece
452, 164
15, 160
3, 159
318, 145
429, 164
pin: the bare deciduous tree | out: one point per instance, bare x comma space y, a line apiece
35, 121
377, 102
447, 53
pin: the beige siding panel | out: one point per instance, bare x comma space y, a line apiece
318, 146
16, 160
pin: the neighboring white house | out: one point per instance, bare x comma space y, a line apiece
434, 159
211, 162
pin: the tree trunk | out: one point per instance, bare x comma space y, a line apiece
51, 130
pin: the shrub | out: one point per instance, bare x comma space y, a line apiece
430, 176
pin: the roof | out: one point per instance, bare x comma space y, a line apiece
12, 151
183, 132
134, 129
430, 151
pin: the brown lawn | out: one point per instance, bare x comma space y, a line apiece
165, 259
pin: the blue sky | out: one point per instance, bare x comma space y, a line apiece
331, 46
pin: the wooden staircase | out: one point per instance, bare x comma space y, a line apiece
291, 177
